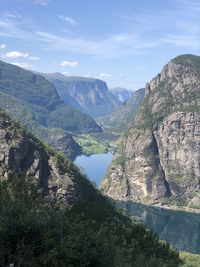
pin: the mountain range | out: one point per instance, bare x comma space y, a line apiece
31, 99
158, 160
120, 120
122, 94
88, 95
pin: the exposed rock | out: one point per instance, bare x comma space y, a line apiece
122, 94
89, 95
21, 153
160, 157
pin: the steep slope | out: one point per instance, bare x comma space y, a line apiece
22, 153
67, 222
122, 94
122, 118
158, 162
32, 100
86, 94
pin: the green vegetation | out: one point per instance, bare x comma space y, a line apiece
31, 92
122, 118
121, 159
91, 145
37, 232
34, 102
190, 260
168, 105
163, 100
190, 61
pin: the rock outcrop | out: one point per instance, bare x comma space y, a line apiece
159, 160
88, 95
122, 94
23, 154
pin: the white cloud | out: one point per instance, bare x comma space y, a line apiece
68, 19
23, 65
145, 32
2, 46
105, 76
71, 64
42, 2
38, 2
183, 41
33, 58
12, 15
114, 46
66, 73
18, 54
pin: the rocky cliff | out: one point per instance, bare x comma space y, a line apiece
159, 159
21, 153
89, 95
122, 94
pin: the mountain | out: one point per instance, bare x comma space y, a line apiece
86, 94
31, 99
158, 161
121, 119
121, 93
51, 215
22, 153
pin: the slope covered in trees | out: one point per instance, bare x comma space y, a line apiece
51, 215
32, 100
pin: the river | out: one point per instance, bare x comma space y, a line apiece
181, 229
94, 166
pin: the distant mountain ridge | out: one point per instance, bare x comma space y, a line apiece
31, 99
122, 94
89, 95
122, 118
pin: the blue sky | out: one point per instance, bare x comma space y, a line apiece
125, 43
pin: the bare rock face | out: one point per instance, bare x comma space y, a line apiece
21, 153
159, 161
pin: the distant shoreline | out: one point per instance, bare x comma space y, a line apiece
177, 208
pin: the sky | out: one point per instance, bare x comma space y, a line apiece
124, 42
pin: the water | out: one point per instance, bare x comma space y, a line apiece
181, 229
94, 166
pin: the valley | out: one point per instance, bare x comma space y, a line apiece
92, 149
99, 133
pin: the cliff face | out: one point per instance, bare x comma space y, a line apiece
21, 153
122, 94
89, 95
159, 159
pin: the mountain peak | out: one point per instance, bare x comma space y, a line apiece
89, 95
159, 158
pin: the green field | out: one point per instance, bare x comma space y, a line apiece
90, 145
190, 260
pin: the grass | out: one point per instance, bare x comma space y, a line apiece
90, 145
190, 260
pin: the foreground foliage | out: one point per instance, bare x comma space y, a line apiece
190, 260
36, 231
